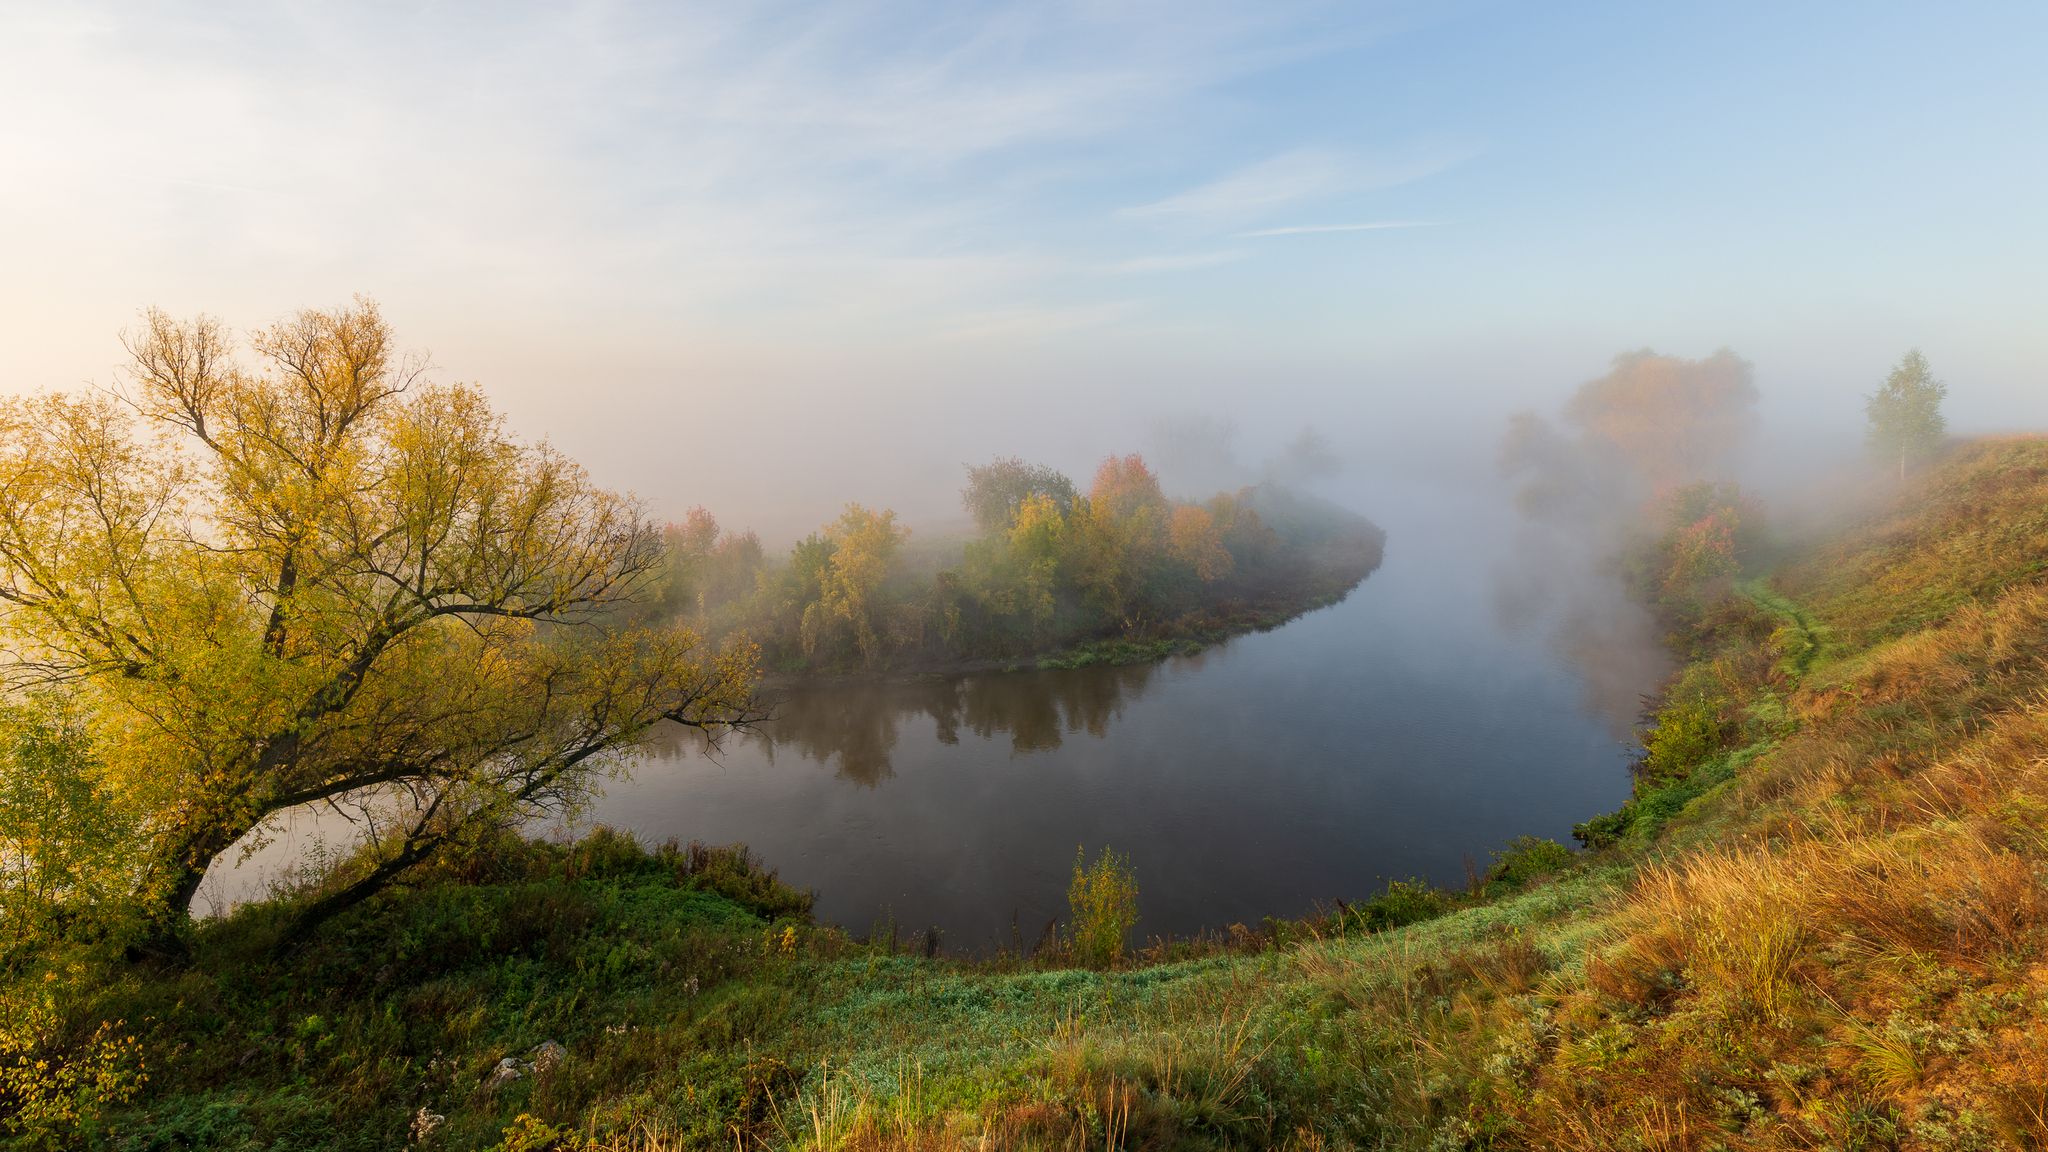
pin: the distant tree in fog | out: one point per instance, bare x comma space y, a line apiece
1560, 479
1671, 420
1194, 451
996, 490
1905, 413
1307, 459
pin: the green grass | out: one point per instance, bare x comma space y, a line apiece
1823, 922
672, 1000
702, 1000
1798, 639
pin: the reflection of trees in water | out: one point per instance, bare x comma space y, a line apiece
1037, 708
855, 726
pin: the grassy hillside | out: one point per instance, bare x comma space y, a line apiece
1822, 921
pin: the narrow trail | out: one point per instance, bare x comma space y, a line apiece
1799, 657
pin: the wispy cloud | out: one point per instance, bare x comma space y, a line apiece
1308, 229
739, 162
1270, 183
1288, 180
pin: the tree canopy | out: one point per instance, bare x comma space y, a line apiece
997, 489
1051, 567
1671, 419
1652, 424
311, 575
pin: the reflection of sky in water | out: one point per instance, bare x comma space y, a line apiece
1453, 702
1407, 731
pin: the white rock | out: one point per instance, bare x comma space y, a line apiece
547, 1057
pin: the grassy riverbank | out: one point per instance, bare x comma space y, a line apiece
1820, 922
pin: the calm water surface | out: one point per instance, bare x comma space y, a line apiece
1431, 717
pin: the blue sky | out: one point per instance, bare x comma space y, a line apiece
1036, 227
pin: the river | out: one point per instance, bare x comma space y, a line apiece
1436, 713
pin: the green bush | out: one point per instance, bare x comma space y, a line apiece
66, 838
1653, 807
1404, 902
1103, 900
1606, 829
1527, 858
1688, 730
734, 872
605, 852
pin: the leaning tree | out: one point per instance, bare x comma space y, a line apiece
302, 573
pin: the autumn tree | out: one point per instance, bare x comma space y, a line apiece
799, 591
1197, 542
1700, 538
1671, 420
997, 489
1250, 540
1038, 539
1905, 413
690, 544
864, 542
1120, 533
707, 565
307, 574
733, 570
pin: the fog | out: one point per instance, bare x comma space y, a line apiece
773, 260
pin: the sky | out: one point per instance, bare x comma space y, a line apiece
772, 257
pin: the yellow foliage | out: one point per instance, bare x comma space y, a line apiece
51, 1090
321, 577
1197, 543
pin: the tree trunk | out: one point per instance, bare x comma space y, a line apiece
182, 871
355, 892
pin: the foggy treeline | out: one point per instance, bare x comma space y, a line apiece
1640, 504
1048, 565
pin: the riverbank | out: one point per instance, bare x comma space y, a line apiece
1306, 554
1821, 920
1323, 580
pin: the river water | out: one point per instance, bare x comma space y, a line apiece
1439, 711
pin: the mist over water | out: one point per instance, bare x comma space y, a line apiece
1406, 732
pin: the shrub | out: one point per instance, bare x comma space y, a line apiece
1404, 902
1527, 858
1688, 730
1606, 829
64, 835
54, 1086
529, 1133
1103, 900
605, 852
737, 874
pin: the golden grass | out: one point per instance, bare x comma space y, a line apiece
1862, 959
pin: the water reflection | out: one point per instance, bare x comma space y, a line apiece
1408, 731
1431, 717
1565, 587
855, 726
